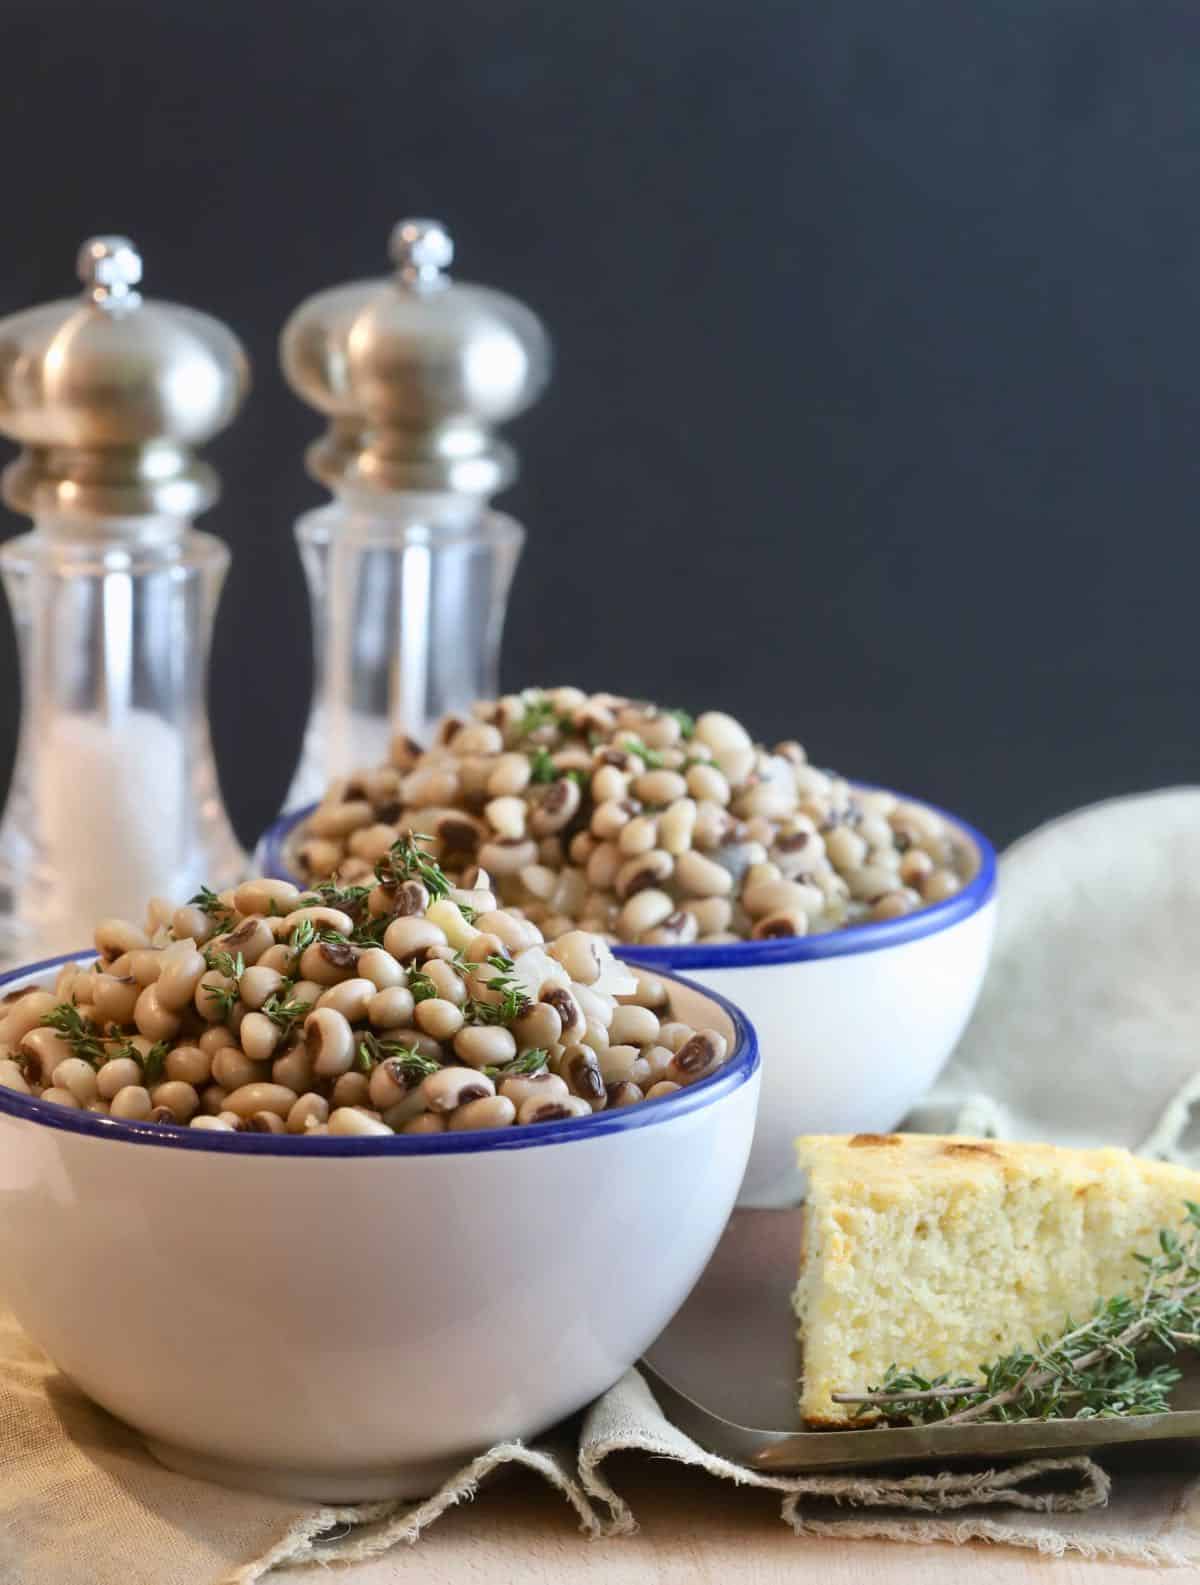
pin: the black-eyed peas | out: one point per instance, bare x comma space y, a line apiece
403, 1022
569, 797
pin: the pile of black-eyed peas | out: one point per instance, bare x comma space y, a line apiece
403, 1005
639, 823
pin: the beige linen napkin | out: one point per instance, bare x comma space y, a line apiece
1088, 1028
82, 1503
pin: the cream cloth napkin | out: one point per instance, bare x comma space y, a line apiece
1086, 1032
82, 1503
1088, 1028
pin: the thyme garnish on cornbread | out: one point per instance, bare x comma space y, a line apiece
1096, 1370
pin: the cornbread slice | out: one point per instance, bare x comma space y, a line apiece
940, 1254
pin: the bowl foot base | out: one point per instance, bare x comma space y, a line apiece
310, 1485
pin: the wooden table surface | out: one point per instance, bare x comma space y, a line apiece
694, 1531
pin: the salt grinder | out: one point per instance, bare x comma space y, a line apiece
408, 569
114, 796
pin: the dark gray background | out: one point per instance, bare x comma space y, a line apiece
875, 416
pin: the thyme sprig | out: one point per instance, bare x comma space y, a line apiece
209, 903
372, 1049
85, 1038
405, 861
511, 990
528, 1062
284, 1013
90, 1041
651, 758
1095, 1370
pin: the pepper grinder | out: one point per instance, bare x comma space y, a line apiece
114, 796
408, 569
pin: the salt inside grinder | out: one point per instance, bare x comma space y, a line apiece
408, 569
114, 795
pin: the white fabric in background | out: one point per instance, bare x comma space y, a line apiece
1088, 1028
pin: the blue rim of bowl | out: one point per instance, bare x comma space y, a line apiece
739, 1068
854, 939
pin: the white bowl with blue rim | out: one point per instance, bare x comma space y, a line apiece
854, 1024
339, 1319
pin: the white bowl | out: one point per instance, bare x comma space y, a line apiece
854, 1025
343, 1319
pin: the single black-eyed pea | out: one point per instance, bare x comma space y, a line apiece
660, 1090
307, 1106
265, 1123
391, 1008
698, 876
633, 1026
213, 990
117, 1075
391, 1081
294, 1068
572, 1023
259, 1036
625, 1093
657, 1059
349, 1121
489, 1111
639, 836
277, 957
210, 1124
232, 1068
114, 999
602, 866
154, 1020
212, 1100
439, 1018
538, 1028
329, 1041
260, 1097
78, 1076
940, 885
351, 998
676, 930
350, 1089
453, 1087
328, 963
12, 1077
42, 1050
409, 936
113, 937
451, 986
697, 1057
161, 1114
132, 1104
179, 1097
425, 1123
595, 1035
380, 967
659, 787
404, 1110
264, 896
555, 808
519, 1087
788, 922
251, 938
644, 910
536, 1110
579, 954
674, 1034
24, 1014
584, 1077
616, 1063
190, 1065
257, 985
485, 1045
